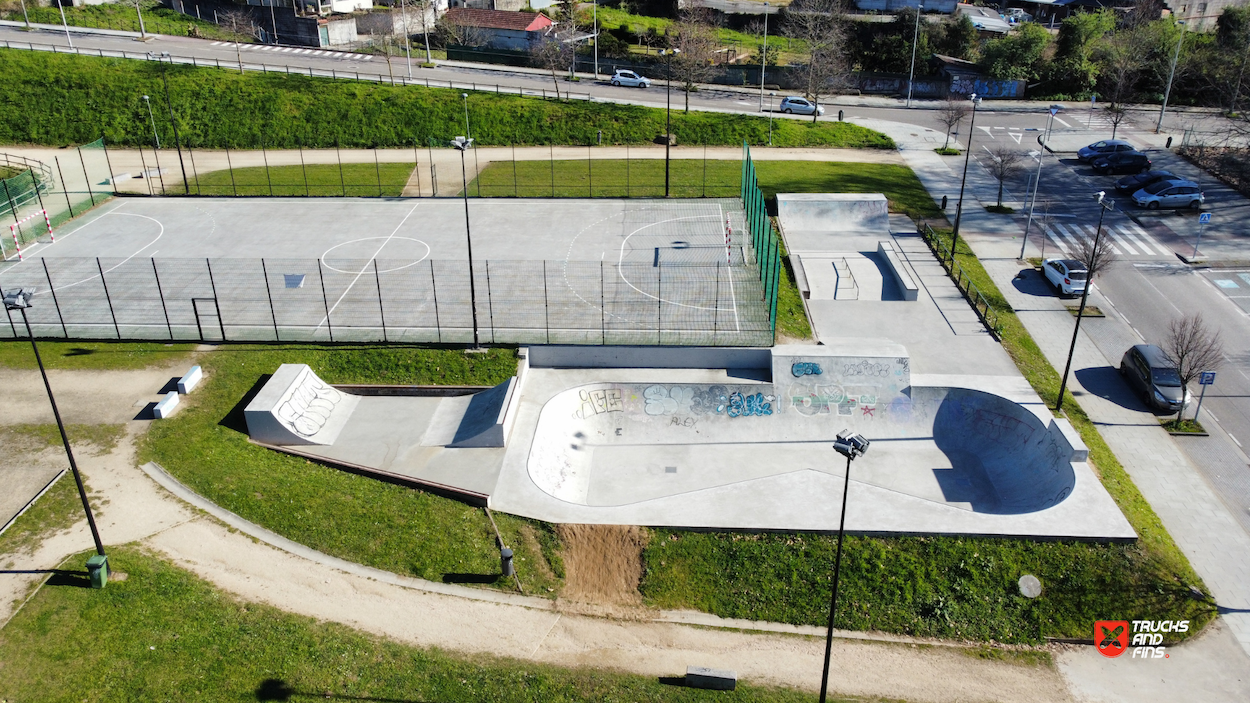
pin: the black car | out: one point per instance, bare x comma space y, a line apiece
1150, 372
1131, 184
1121, 162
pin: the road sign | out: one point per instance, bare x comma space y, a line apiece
1204, 218
1208, 377
1054, 110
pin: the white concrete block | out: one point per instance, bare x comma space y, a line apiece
190, 380
165, 408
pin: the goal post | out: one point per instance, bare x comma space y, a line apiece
26, 231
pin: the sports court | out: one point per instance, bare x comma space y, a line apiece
344, 269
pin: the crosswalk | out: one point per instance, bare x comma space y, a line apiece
1081, 119
296, 50
1126, 239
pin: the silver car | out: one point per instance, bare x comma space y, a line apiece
629, 79
799, 106
1170, 193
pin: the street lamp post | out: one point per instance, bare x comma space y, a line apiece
186, 187
771, 110
915, 37
20, 300
1171, 74
959, 209
65, 24
155, 137
595, 21
668, 114
1104, 205
1037, 182
143, 33
462, 144
407, 38
764, 56
851, 446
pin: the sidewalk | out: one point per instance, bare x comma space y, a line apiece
1209, 536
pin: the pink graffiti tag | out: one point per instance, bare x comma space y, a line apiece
868, 410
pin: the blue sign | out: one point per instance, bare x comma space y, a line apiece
1204, 218
1208, 377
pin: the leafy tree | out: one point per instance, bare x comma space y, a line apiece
1017, 56
1232, 37
955, 37
1074, 70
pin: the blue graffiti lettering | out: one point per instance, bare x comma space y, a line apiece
744, 406
805, 368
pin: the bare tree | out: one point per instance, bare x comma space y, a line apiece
950, 114
1095, 257
819, 24
1193, 348
695, 41
552, 54
1004, 165
1122, 56
449, 33
239, 24
1116, 114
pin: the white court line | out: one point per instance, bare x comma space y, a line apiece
128, 258
365, 267
621, 260
732, 295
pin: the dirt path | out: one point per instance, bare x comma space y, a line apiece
131, 507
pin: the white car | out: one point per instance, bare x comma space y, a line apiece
799, 106
629, 79
1067, 275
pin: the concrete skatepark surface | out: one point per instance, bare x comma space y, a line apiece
747, 448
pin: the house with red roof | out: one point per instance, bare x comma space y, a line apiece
501, 29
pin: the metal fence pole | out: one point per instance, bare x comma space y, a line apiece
603, 324
107, 297
551, 159
273, 314
416, 166
64, 190
57, 303
514, 188
12, 205
716, 305
377, 279
590, 172
161, 292
195, 172
490, 303
438, 325
659, 302
234, 188
107, 161
546, 302
325, 300
221, 324
339, 155
627, 170
303, 168
87, 176
147, 177
264, 155
377, 168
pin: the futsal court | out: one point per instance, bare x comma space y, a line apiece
322, 269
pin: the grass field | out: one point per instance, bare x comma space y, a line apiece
79, 98
165, 635
359, 180
157, 19
359, 519
92, 355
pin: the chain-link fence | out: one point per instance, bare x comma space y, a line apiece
764, 239
681, 302
73, 182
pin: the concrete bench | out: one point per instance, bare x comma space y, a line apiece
906, 281
190, 380
715, 679
165, 408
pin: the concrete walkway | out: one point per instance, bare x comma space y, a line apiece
1199, 522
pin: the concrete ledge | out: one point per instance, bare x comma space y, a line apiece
800, 276
166, 407
902, 275
614, 357
714, 679
192, 379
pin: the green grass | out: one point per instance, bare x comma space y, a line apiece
93, 355
164, 634
1188, 425
360, 180
102, 438
157, 19
79, 98
359, 519
792, 321
902, 189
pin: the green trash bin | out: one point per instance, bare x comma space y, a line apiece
98, 570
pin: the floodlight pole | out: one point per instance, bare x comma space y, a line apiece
462, 146
1104, 205
959, 209
64, 23
837, 568
407, 37
143, 33
1167, 93
595, 21
668, 115
24, 15
468, 133
60, 425
1037, 182
186, 187
915, 36
155, 137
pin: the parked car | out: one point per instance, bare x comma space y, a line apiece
1131, 184
1067, 275
629, 79
1173, 193
1150, 372
799, 106
1121, 162
1106, 146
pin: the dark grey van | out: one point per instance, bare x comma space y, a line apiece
1150, 372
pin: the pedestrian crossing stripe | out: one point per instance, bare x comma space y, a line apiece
1128, 238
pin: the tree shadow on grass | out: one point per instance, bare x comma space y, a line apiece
279, 690
235, 419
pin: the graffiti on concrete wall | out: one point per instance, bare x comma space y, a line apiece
596, 402
663, 400
805, 368
987, 87
747, 405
